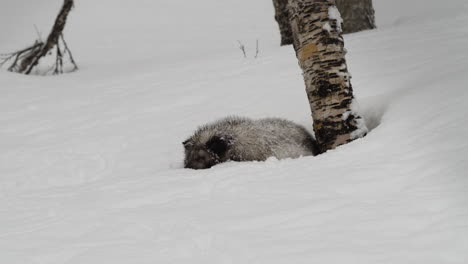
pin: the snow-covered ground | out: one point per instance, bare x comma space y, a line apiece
91, 162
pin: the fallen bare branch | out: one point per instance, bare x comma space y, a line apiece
24, 61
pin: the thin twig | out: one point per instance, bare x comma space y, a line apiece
242, 48
257, 50
39, 35
58, 60
67, 50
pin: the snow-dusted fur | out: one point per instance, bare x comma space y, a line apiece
243, 139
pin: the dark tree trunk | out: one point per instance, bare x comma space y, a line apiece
319, 45
281, 16
358, 15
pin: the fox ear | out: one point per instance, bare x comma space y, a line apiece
187, 143
218, 145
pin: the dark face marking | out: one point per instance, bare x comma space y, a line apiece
206, 156
200, 158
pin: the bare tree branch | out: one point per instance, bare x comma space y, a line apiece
24, 61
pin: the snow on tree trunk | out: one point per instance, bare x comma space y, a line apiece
317, 35
281, 16
358, 15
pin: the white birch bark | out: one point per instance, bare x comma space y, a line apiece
317, 34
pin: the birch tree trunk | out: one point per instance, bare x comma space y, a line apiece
317, 35
358, 15
281, 16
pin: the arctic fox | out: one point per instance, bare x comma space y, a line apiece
244, 139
